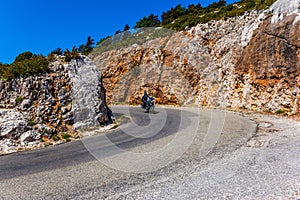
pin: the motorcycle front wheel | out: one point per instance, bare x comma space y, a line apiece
151, 108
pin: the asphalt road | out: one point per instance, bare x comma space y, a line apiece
148, 148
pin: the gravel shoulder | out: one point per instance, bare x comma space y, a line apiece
267, 167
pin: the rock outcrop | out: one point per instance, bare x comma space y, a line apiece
245, 62
89, 104
15, 131
46, 106
269, 67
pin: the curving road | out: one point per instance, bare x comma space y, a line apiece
145, 149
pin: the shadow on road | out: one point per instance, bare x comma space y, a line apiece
68, 154
105, 145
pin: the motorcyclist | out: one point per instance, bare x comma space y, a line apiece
145, 99
147, 102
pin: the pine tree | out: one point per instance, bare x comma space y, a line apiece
150, 21
57, 51
171, 15
126, 28
89, 45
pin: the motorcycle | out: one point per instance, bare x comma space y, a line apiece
149, 104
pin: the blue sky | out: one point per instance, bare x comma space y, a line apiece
41, 26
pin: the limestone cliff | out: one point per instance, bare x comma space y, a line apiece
43, 108
245, 62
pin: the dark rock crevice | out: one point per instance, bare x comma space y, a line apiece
282, 38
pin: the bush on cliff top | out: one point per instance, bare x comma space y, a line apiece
179, 18
25, 64
69, 55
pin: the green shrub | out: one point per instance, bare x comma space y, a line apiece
88, 47
279, 111
65, 136
178, 18
150, 21
23, 56
25, 64
31, 122
42, 140
57, 51
55, 138
70, 55
6, 71
34, 92
51, 57
19, 99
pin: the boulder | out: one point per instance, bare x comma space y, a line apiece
25, 104
88, 106
29, 136
12, 124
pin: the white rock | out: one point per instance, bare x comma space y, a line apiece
86, 90
7, 146
248, 30
29, 136
26, 104
10, 120
281, 7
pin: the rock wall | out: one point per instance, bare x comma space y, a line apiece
245, 62
128, 72
268, 69
42, 108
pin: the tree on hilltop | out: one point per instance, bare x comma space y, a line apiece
70, 55
126, 28
171, 15
87, 47
219, 4
57, 51
150, 21
25, 64
118, 32
23, 56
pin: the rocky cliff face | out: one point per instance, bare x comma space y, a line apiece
45, 107
245, 62
272, 67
